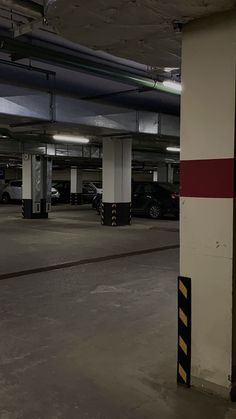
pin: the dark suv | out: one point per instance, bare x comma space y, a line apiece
155, 199
152, 199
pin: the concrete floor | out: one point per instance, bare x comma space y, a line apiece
96, 341
72, 234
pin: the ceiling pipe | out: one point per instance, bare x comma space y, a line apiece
44, 79
73, 62
25, 8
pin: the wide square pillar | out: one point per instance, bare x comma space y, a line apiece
207, 230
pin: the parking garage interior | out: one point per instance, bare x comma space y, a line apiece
117, 151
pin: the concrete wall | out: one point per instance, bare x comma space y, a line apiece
87, 175
57, 174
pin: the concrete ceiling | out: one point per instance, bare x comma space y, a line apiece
141, 30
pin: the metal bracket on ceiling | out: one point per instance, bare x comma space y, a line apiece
28, 27
177, 25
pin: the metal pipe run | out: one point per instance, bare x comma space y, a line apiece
75, 62
25, 8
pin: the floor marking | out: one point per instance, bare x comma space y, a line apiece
86, 262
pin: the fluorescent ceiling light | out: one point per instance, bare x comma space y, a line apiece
170, 69
173, 85
173, 149
71, 138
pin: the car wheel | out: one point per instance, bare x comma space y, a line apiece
154, 211
6, 198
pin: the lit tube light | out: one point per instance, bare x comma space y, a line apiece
173, 85
173, 149
70, 139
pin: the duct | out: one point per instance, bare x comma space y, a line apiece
25, 8
169, 125
20, 30
45, 108
74, 111
29, 104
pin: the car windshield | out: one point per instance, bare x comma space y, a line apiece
17, 183
98, 184
169, 186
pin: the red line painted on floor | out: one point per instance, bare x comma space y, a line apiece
207, 178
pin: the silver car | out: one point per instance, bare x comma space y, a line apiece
13, 192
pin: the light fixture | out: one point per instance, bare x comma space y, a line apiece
173, 149
173, 85
170, 69
71, 138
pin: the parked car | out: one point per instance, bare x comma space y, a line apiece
152, 199
90, 189
98, 186
13, 192
63, 187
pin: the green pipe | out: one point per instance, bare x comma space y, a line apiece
25, 50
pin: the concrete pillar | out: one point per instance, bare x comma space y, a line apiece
162, 173
76, 186
117, 160
208, 200
36, 187
155, 175
2, 177
170, 173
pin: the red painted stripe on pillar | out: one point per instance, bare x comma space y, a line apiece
207, 178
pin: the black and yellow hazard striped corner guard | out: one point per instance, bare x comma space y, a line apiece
184, 331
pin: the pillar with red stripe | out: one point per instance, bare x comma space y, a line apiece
208, 198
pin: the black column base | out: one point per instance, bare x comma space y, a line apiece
76, 199
117, 214
27, 209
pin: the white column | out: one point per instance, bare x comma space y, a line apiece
36, 186
170, 174
162, 173
155, 176
117, 161
76, 186
207, 198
